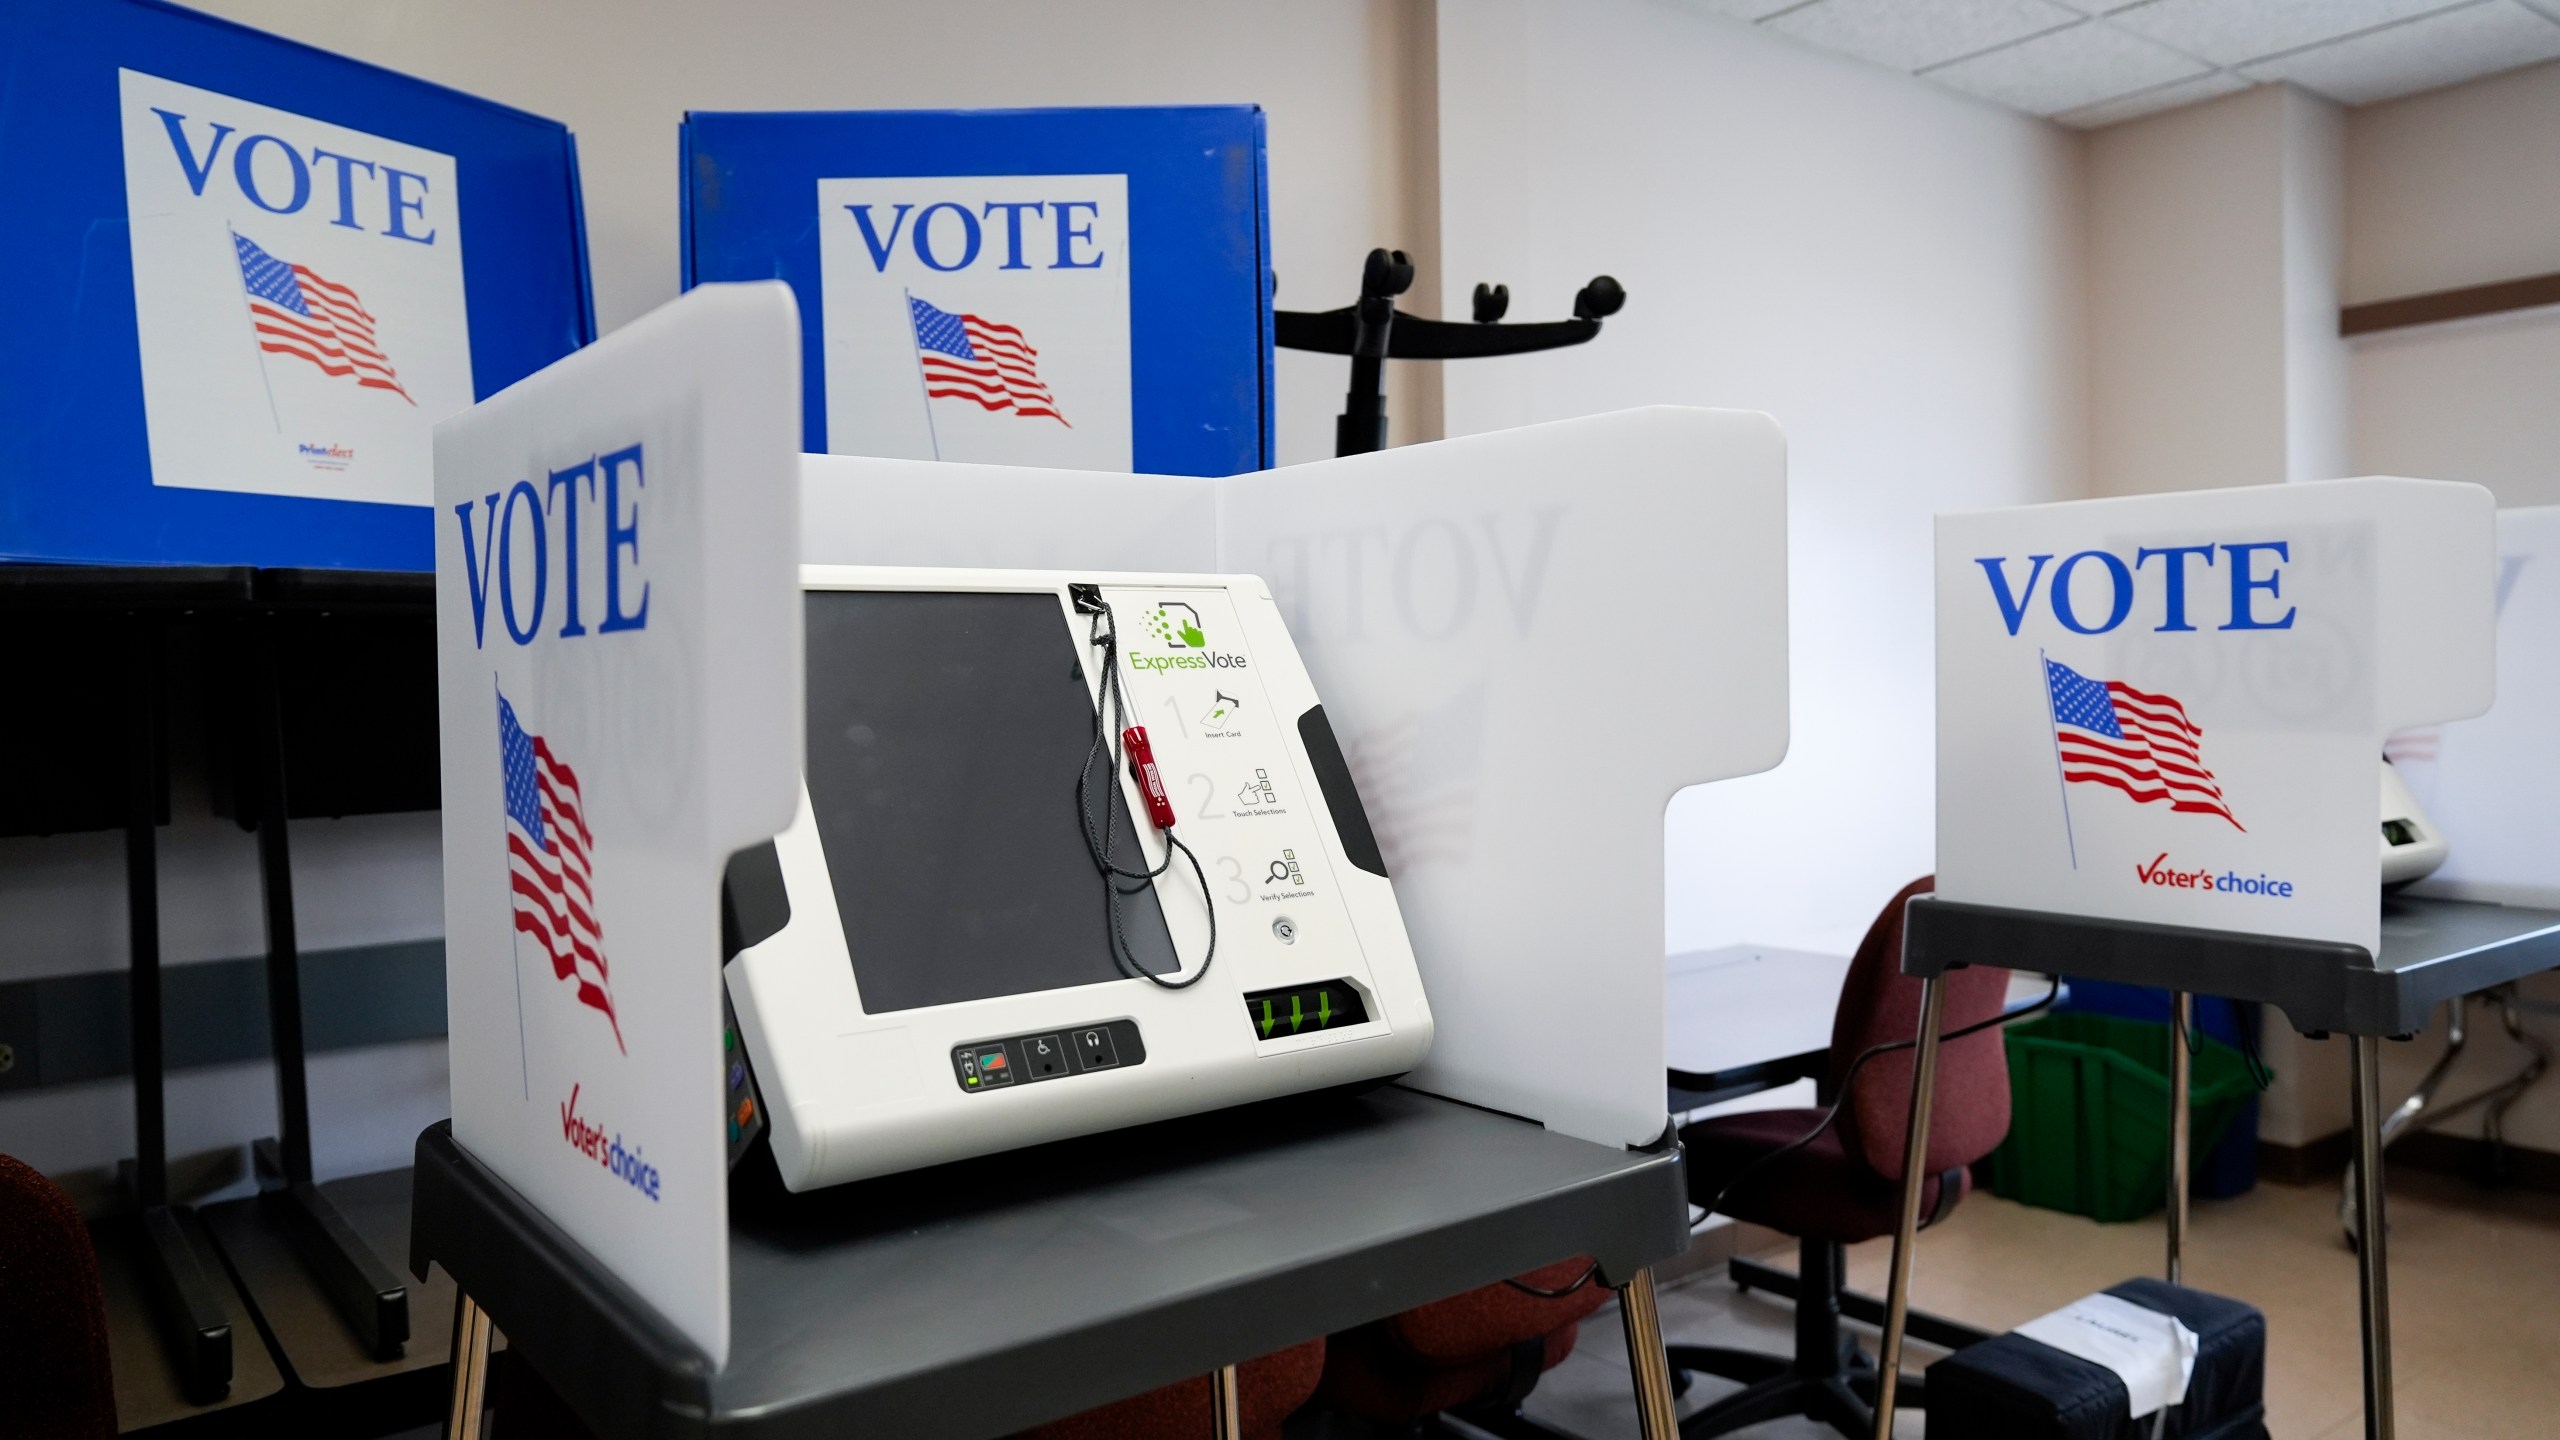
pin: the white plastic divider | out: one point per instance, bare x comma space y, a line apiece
2492, 785
2168, 708
1527, 642
619, 659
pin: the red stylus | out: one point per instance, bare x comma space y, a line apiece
1142, 763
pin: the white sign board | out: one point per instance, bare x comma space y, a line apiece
297, 287
1002, 339
1527, 642
2168, 707
619, 659
2492, 785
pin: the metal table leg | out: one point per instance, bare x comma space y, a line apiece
366, 1292
1656, 1418
193, 1321
2182, 1020
470, 1370
1915, 1171
2365, 1064
2420, 1111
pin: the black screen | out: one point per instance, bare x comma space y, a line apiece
945, 731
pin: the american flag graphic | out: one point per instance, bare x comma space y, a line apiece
2109, 733
967, 358
296, 311
547, 861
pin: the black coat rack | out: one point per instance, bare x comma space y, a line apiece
1374, 331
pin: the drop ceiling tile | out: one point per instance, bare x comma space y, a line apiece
1915, 34
2440, 49
2068, 69
2153, 100
2228, 32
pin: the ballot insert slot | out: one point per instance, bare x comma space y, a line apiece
1307, 1009
1047, 1055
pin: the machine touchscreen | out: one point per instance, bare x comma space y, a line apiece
945, 730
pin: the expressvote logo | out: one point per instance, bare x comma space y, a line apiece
1175, 624
291, 278
978, 317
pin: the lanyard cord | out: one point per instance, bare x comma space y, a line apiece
1119, 882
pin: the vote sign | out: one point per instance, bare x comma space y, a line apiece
2169, 708
298, 297
246, 279
618, 660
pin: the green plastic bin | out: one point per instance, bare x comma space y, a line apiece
2089, 1113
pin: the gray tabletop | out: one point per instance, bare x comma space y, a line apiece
990, 1295
2432, 951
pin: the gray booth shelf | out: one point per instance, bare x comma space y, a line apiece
978, 1298
2432, 951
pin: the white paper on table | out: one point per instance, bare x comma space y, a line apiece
2154, 1354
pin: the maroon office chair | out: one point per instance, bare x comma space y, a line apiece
1477, 1354
54, 1375
1268, 1390
1846, 1185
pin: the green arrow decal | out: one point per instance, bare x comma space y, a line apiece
1297, 1015
1266, 1019
1324, 1008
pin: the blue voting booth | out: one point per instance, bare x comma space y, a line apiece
245, 279
1077, 289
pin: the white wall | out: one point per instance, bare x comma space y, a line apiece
1891, 270
2447, 189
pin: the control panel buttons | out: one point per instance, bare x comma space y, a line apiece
1044, 1056
1094, 1050
984, 1065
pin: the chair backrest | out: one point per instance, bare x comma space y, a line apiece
1878, 1003
53, 1322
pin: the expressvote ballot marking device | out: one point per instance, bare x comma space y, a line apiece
956, 976
2412, 846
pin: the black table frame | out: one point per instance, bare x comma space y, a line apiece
1368, 1205
149, 599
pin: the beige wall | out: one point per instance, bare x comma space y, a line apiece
2452, 188
2214, 245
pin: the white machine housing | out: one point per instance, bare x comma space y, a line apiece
852, 1091
2412, 846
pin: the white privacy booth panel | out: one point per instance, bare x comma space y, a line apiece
1530, 641
2167, 708
1526, 642
2492, 785
618, 665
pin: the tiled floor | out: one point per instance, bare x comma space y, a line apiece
2475, 1278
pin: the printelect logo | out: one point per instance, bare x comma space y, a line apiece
2229, 882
